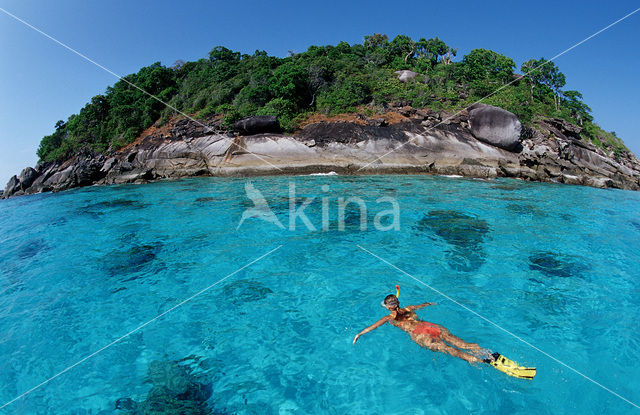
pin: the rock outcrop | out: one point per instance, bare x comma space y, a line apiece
257, 124
402, 140
27, 177
81, 170
12, 187
405, 75
495, 126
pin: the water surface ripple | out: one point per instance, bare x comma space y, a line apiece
557, 265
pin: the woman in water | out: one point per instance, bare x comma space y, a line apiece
429, 335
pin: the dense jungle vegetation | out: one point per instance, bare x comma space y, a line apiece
325, 79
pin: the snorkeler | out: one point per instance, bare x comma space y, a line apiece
439, 339
428, 335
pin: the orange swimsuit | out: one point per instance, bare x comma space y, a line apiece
425, 327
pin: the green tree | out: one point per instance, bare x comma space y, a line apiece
402, 49
377, 49
290, 81
486, 70
432, 49
483, 64
544, 76
221, 54
344, 95
283, 109
224, 62
572, 100
376, 41
320, 78
50, 143
328, 78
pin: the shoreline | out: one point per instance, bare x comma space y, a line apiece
293, 174
551, 152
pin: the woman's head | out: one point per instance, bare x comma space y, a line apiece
391, 302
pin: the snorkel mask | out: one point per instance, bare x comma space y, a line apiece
397, 303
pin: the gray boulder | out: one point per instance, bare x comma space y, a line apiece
406, 75
27, 177
495, 126
12, 186
257, 124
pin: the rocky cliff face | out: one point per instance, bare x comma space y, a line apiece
403, 140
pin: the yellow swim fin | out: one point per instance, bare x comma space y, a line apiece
511, 368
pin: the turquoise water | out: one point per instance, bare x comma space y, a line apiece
557, 265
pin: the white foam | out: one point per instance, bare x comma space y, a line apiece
331, 173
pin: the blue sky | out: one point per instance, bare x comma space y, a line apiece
41, 82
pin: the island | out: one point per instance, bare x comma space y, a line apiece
398, 106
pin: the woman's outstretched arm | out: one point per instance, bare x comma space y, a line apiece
371, 327
419, 306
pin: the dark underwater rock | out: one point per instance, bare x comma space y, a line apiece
126, 404
176, 390
554, 265
513, 185
246, 291
31, 248
464, 232
525, 209
457, 228
354, 219
132, 260
98, 209
139, 256
115, 203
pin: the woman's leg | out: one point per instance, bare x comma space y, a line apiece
439, 346
457, 341
454, 352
